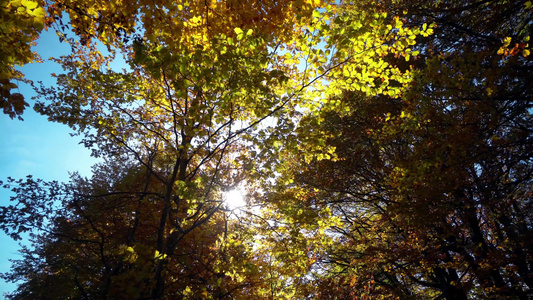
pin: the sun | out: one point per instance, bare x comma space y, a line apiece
234, 198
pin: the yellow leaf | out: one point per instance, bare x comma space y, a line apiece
29, 4
506, 41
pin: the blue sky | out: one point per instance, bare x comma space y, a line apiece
36, 146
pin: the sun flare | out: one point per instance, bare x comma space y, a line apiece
234, 199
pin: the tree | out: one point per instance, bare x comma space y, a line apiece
176, 128
101, 243
432, 188
22, 21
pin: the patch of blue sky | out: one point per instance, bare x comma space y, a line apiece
36, 146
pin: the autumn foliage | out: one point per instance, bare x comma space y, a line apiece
385, 148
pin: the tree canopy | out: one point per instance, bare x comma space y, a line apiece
385, 148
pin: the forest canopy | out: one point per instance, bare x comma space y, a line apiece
385, 147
